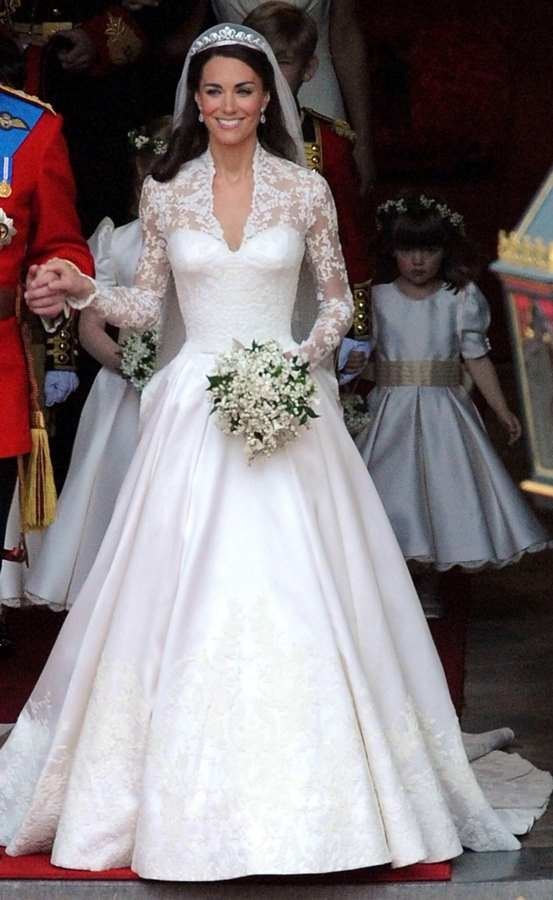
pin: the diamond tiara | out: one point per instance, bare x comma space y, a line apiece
227, 34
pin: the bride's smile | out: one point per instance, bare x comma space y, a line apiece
231, 100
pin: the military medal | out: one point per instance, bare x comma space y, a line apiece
18, 117
7, 230
7, 174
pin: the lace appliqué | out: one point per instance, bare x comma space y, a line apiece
103, 791
22, 779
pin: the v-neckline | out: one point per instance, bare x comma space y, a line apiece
218, 228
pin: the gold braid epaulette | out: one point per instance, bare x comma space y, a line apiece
123, 44
344, 129
362, 322
30, 97
62, 347
338, 126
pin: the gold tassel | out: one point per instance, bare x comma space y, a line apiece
36, 478
38, 489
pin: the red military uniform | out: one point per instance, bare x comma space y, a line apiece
117, 40
37, 222
329, 150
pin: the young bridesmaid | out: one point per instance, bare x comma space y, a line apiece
446, 492
107, 436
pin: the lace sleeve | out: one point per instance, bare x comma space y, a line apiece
137, 307
334, 298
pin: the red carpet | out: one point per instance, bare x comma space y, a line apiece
450, 635
37, 866
34, 631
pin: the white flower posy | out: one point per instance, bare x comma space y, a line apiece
262, 394
138, 357
143, 142
356, 417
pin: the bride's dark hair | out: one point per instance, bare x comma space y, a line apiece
190, 138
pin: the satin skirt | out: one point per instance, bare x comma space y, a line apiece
246, 682
447, 494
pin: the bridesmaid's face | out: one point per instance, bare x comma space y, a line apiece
419, 265
231, 99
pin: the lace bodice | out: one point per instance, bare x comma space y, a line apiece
244, 294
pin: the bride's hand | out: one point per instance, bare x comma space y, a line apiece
48, 287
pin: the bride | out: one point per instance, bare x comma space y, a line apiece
246, 682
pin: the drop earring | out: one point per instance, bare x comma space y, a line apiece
200, 116
262, 118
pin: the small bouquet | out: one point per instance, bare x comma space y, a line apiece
138, 357
356, 417
262, 394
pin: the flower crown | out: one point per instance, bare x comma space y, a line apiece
142, 142
387, 212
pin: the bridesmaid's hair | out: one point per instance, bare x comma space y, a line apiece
424, 227
190, 138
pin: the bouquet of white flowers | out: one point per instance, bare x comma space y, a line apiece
356, 417
262, 394
138, 357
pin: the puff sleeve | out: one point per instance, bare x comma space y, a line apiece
474, 321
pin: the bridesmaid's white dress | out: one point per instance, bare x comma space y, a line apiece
61, 557
246, 682
322, 92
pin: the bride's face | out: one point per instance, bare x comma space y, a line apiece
231, 99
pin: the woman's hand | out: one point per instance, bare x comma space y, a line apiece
510, 423
48, 287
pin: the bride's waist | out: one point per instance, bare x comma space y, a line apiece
219, 343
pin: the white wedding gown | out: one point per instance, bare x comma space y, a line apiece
246, 682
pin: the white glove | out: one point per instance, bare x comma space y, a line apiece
58, 385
